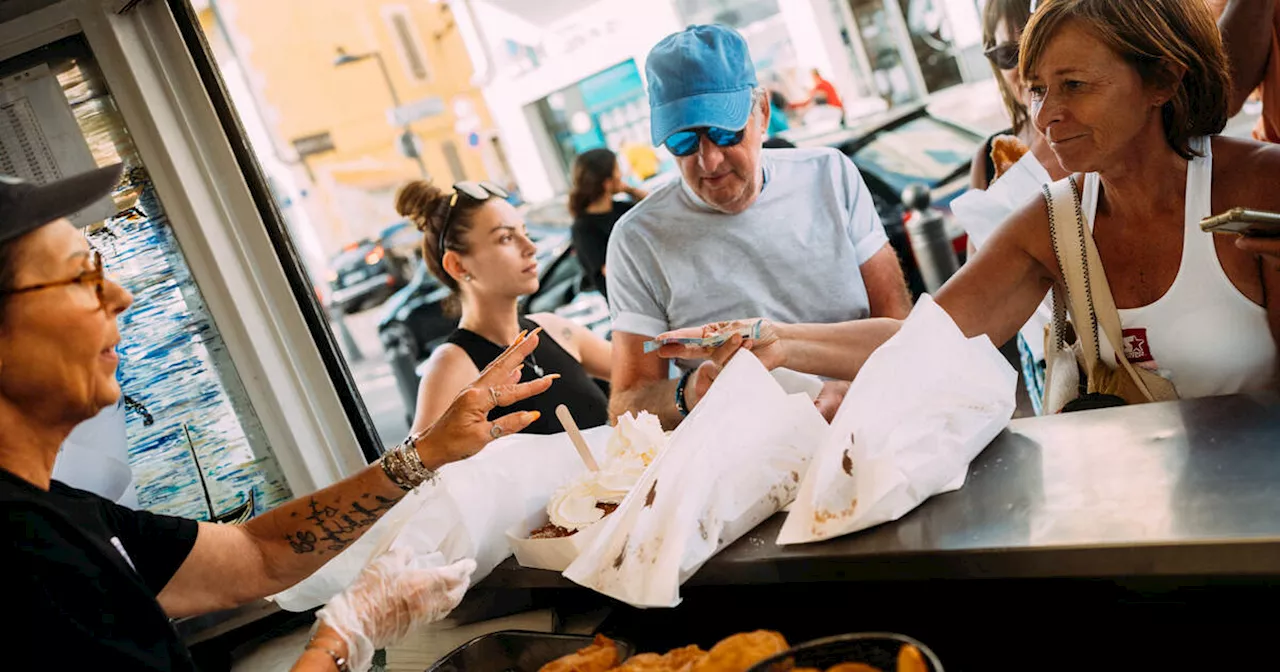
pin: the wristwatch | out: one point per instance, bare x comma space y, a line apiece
682, 404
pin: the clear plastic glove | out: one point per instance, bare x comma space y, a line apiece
395, 593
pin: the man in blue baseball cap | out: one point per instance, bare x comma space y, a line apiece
786, 234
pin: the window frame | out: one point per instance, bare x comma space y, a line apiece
390, 13
170, 95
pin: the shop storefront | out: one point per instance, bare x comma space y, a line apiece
607, 109
545, 79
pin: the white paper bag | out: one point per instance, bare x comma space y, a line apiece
465, 514
734, 462
922, 407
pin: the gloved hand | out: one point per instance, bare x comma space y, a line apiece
394, 594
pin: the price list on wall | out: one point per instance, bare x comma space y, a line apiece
24, 150
40, 140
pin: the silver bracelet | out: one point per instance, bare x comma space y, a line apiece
338, 661
403, 465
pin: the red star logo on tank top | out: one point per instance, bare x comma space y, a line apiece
1136, 347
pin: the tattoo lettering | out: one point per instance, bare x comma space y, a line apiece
302, 542
335, 530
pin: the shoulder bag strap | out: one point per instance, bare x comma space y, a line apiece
1068, 248
1105, 312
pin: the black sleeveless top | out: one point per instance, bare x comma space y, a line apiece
575, 389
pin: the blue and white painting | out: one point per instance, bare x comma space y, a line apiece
182, 390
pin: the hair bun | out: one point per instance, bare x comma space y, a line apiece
417, 200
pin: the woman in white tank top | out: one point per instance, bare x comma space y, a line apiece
1128, 95
1202, 334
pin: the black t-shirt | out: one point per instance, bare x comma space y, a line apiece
82, 578
591, 240
575, 389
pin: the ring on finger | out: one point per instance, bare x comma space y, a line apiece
493, 394
495, 432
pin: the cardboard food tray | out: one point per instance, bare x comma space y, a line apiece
551, 554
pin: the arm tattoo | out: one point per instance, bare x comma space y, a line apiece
333, 530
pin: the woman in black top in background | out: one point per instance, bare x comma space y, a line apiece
596, 180
475, 243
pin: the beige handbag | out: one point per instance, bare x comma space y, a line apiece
1072, 346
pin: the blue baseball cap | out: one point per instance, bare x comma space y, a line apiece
700, 76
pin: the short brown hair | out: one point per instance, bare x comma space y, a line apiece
1154, 36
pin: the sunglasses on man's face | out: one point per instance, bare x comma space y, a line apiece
476, 191
1003, 55
685, 143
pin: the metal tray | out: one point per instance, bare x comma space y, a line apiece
517, 651
879, 649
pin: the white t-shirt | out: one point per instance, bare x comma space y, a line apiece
794, 256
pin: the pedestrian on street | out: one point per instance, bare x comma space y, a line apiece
822, 93
593, 202
477, 246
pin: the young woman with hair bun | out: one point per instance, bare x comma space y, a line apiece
475, 243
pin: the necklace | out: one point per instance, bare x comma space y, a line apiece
533, 364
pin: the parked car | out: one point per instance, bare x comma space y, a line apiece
402, 239
415, 316
901, 148
363, 275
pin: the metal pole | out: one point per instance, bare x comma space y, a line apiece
395, 99
354, 354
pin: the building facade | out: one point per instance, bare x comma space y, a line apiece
565, 76
352, 98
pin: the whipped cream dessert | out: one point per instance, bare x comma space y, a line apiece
588, 498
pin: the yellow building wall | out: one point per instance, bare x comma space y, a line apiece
288, 48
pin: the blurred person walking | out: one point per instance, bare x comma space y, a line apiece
597, 180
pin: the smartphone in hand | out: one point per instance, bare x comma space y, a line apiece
1245, 222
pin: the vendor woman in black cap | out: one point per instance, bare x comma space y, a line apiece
92, 585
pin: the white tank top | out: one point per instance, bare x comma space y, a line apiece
1203, 334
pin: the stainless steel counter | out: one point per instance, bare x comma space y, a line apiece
1184, 489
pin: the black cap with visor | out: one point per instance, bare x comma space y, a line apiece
25, 207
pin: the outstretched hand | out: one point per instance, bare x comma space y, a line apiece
464, 428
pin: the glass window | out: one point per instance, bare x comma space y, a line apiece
193, 442
921, 150
410, 48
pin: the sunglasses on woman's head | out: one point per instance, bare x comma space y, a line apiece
1003, 55
685, 143
476, 191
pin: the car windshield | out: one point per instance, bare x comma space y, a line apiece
921, 150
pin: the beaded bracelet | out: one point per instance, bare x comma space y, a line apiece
682, 404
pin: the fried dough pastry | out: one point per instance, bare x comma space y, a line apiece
739, 652
854, 667
675, 660
601, 656
1006, 150
911, 660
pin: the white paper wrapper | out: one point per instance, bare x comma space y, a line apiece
982, 212
465, 514
922, 407
736, 460
553, 554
